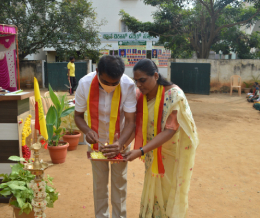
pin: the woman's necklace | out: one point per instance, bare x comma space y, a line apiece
151, 97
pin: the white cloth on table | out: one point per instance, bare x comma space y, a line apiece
128, 102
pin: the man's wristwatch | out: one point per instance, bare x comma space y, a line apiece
142, 151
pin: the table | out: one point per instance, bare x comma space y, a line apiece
12, 107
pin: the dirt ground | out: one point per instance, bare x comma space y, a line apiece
226, 176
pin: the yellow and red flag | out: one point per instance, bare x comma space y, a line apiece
40, 123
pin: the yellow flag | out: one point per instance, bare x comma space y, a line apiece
40, 122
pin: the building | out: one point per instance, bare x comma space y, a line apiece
108, 10
115, 37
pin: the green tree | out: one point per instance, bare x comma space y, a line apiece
67, 26
199, 22
235, 40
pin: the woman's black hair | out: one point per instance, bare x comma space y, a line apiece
113, 66
149, 68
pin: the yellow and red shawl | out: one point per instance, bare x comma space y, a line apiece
93, 108
141, 127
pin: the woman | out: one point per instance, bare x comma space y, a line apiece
166, 134
154, 55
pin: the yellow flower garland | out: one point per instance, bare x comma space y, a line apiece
97, 155
26, 129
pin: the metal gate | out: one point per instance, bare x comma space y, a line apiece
191, 77
56, 74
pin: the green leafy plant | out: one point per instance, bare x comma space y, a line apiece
70, 125
70, 128
247, 84
256, 78
53, 118
16, 185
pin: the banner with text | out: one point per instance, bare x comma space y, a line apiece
160, 56
132, 51
103, 52
126, 36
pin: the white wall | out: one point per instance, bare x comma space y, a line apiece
38, 56
109, 9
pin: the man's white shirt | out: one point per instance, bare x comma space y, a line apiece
128, 102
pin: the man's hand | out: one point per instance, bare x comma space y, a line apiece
91, 137
112, 150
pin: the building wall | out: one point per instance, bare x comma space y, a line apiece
29, 70
51, 56
41, 55
109, 10
222, 70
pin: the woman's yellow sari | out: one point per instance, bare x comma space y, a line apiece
167, 196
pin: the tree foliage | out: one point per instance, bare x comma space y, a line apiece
199, 22
67, 26
235, 40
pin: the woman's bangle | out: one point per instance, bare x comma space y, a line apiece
142, 151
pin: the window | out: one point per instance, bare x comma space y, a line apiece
113, 52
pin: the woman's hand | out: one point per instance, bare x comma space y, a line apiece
131, 155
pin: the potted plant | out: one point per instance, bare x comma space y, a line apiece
16, 184
71, 135
57, 148
247, 88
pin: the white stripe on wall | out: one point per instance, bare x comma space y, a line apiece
9, 131
5, 168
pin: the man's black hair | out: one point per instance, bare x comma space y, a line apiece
113, 66
71, 58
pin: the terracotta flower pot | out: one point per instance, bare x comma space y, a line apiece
73, 140
23, 215
58, 153
247, 90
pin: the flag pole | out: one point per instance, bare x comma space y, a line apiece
17, 58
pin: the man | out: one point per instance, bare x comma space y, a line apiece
122, 53
99, 91
71, 75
